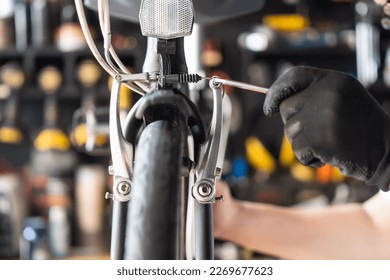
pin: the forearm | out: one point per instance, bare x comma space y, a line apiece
344, 232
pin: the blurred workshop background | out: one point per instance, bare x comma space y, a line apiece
54, 146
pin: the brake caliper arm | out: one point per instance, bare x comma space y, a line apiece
208, 170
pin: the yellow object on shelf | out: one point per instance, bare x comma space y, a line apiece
80, 136
258, 156
301, 173
50, 79
286, 22
89, 73
13, 76
52, 139
286, 156
337, 176
10, 135
125, 100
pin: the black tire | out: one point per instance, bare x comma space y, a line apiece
154, 218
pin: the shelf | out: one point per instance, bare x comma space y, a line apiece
305, 52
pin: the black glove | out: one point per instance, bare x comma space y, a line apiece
331, 118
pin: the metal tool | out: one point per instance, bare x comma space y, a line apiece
218, 81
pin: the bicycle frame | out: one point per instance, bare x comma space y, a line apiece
164, 82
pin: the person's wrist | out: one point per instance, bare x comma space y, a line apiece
380, 2
226, 231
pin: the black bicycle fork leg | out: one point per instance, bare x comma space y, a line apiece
118, 230
204, 232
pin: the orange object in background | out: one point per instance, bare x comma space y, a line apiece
324, 174
212, 54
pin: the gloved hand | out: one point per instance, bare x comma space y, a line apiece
330, 117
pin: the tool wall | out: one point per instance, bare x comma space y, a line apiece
54, 148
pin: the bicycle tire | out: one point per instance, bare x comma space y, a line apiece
154, 219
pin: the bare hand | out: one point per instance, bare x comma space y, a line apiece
224, 212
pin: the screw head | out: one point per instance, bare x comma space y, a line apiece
204, 190
124, 188
108, 196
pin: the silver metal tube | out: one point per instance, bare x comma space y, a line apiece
204, 231
152, 59
118, 230
193, 47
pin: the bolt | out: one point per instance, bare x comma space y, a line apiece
118, 77
108, 196
204, 190
124, 188
214, 83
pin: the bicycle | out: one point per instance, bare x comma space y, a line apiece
165, 158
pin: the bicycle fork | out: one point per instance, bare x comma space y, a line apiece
208, 168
